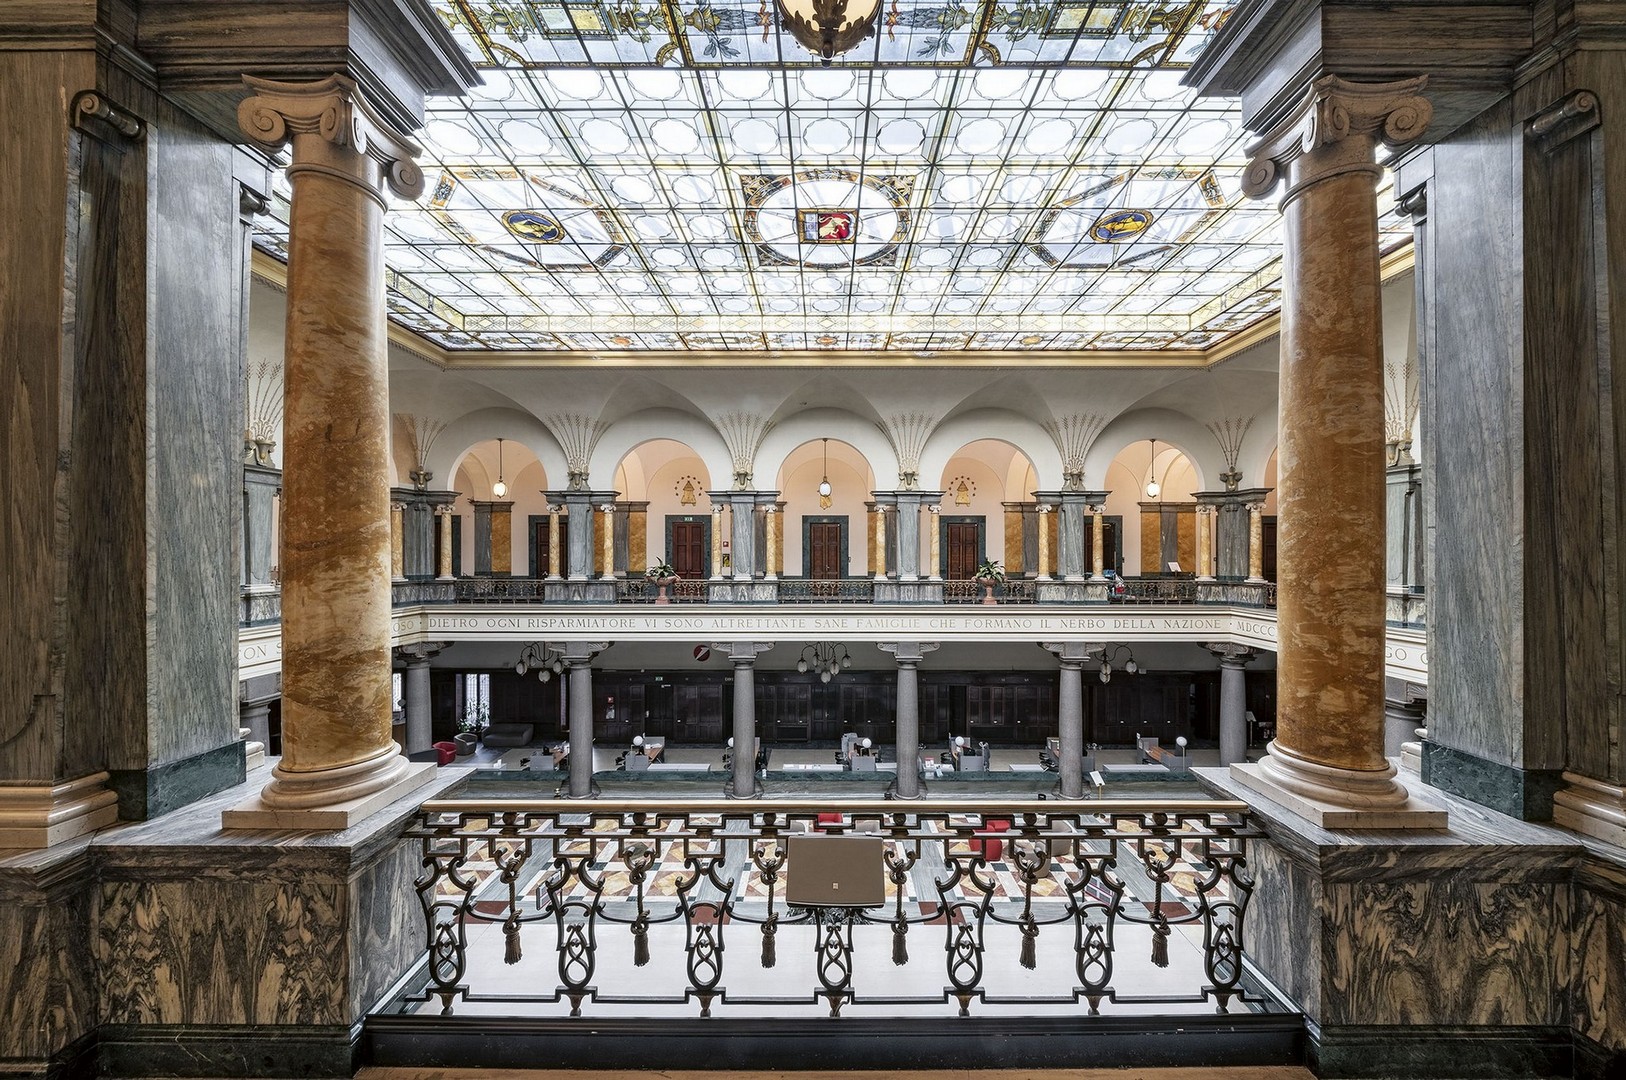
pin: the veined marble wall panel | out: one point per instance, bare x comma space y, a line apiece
193, 436
1274, 934
233, 949
47, 1000
1481, 701
1598, 1001
388, 932
34, 329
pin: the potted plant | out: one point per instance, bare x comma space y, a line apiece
989, 574
662, 575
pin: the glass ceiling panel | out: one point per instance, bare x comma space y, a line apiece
681, 175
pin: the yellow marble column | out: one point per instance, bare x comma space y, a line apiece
637, 539
1015, 558
880, 544
1256, 543
338, 761
716, 541
934, 545
1327, 758
770, 537
1044, 512
607, 542
553, 542
1151, 539
397, 540
443, 513
1098, 541
1205, 543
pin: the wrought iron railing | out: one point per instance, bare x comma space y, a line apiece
423, 592
1009, 591
641, 590
499, 590
597, 891
1157, 591
826, 591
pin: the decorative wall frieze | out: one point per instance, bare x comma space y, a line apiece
578, 435
333, 131
1074, 435
908, 432
1229, 433
1314, 142
743, 434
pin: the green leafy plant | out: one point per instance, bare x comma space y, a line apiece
476, 719
990, 570
660, 570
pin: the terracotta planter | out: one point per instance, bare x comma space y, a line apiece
661, 585
988, 589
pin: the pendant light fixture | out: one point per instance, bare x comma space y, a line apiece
1153, 488
828, 27
825, 489
499, 489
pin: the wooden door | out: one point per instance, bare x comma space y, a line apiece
689, 555
964, 549
824, 550
1267, 548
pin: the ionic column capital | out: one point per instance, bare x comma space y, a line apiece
743, 652
1231, 654
344, 137
908, 653
1395, 113
1071, 653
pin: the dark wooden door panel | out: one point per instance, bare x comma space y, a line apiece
689, 555
964, 549
824, 550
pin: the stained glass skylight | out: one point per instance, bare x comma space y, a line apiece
680, 175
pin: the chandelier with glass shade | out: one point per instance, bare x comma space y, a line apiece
829, 27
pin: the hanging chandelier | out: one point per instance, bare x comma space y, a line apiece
1153, 488
1109, 653
539, 658
828, 658
828, 27
499, 489
825, 490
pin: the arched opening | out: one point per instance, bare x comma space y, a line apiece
1151, 515
987, 512
667, 514
826, 536
506, 540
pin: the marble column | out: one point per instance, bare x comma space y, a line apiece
1069, 508
934, 544
607, 542
1233, 718
553, 541
1205, 542
632, 538
419, 720
880, 538
578, 657
1256, 545
418, 529
908, 655
1044, 511
581, 506
771, 540
493, 538
1070, 714
445, 519
338, 760
1098, 541
743, 655
716, 540
742, 506
397, 540
1327, 761
1404, 527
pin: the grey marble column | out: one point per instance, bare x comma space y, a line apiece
1074, 530
909, 655
482, 538
1231, 528
579, 509
261, 486
1233, 719
1070, 719
578, 657
743, 655
419, 720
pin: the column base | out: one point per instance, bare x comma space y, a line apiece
256, 813
1338, 799
1257, 581
43, 815
1592, 808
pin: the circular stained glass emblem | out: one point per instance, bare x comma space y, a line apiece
1121, 225
535, 226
